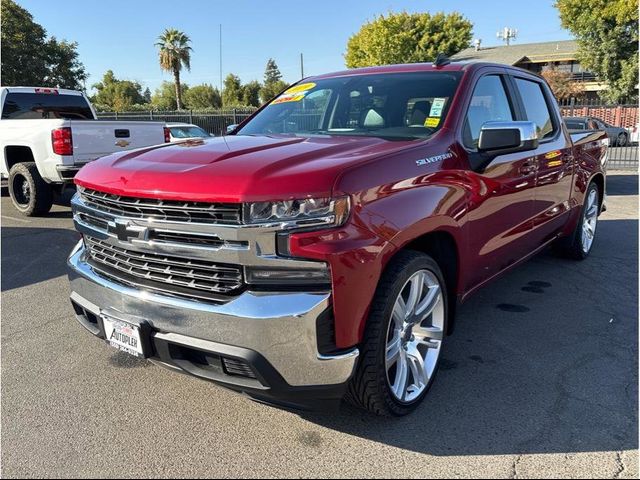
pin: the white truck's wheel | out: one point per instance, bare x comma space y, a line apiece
30, 194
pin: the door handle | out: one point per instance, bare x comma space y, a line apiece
528, 167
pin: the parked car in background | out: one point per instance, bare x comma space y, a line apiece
48, 134
186, 131
618, 136
319, 250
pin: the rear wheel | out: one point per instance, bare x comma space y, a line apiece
30, 194
578, 245
403, 339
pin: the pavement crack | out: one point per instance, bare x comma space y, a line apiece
621, 465
514, 466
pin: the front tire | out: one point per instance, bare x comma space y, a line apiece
621, 141
579, 244
400, 352
30, 194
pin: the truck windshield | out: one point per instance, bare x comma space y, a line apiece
393, 106
25, 106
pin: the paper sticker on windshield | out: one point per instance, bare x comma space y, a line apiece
437, 106
432, 122
295, 93
285, 97
303, 87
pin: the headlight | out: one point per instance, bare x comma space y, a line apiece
308, 211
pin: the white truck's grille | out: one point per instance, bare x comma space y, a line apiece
181, 276
169, 210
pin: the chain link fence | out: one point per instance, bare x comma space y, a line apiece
619, 120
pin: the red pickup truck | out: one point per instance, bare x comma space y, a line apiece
318, 251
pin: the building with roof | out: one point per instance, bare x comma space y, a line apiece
537, 57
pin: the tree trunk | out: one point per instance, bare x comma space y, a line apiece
176, 76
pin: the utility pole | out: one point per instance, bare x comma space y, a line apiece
301, 66
507, 34
220, 59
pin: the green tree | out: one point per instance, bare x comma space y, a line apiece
272, 72
232, 91
164, 97
408, 38
147, 95
251, 94
29, 58
203, 96
607, 35
175, 53
273, 83
117, 95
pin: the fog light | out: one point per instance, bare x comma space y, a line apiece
282, 276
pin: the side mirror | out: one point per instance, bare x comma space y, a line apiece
507, 137
232, 127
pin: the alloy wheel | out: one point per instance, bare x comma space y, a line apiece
414, 336
590, 221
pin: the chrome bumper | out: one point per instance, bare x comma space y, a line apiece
281, 327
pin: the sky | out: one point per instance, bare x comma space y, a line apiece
120, 35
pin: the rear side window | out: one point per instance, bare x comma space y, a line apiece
488, 104
25, 106
535, 106
575, 125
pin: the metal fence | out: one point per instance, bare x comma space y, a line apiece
215, 122
623, 151
620, 156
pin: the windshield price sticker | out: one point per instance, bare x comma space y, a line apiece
437, 106
295, 93
432, 122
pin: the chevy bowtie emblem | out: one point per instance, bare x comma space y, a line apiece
122, 143
125, 231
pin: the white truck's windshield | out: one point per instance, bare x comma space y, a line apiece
25, 105
394, 106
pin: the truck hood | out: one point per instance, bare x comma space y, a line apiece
234, 168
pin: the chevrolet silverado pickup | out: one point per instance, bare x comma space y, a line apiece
47, 134
318, 251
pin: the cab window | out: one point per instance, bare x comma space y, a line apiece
536, 107
489, 103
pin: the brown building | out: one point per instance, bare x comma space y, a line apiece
538, 57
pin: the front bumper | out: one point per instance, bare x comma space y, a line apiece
273, 334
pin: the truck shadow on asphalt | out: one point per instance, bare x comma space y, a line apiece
556, 375
34, 255
622, 184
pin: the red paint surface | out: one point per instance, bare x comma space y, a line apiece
496, 217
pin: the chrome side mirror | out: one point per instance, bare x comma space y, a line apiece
232, 127
508, 137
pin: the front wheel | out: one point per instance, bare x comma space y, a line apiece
403, 339
621, 141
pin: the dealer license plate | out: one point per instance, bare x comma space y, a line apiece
123, 335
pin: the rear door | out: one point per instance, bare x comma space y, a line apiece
501, 207
94, 139
554, 158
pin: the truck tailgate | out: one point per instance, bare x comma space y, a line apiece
95, 138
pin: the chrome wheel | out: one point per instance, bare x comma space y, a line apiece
414, 336
590, 220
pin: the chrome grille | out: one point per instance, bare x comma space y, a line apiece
169, 210
180, 276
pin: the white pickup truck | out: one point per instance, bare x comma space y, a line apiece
48, 134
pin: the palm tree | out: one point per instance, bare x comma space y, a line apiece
175, 53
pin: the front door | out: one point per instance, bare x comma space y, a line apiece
501, 203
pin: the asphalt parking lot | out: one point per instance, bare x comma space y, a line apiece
539, 380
